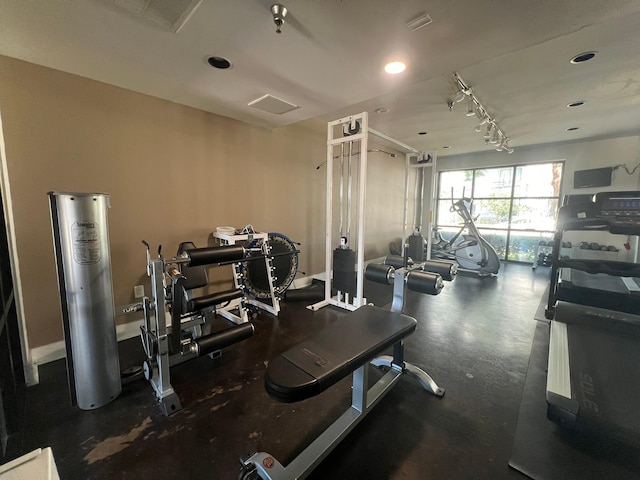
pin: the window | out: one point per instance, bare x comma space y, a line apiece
514, 207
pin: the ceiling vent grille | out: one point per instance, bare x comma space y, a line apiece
271, 104
167, 14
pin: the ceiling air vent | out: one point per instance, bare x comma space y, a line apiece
167, 14
272, 104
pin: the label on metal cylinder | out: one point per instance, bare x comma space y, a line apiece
86, 245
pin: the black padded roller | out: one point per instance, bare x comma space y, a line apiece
379, 273
424, 282
219, 340
211, 255
448, 270
396, 261
218, 298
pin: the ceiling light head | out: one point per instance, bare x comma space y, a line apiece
478, 128
446, 147
381, 110
422, 133
460, 96
487, 134
576, 104
572, 129
583, 57
494, 137
394, 68
279, 12
471, 112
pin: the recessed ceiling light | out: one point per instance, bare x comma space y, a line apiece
395, 67
572, 129
382, 110
576, 104
583, 57
446, 147
422, 133
219, 62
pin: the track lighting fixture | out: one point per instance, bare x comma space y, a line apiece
482, 116
494, 135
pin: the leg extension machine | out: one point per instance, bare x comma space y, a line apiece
177, 325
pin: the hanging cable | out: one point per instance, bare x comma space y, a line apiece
623, 165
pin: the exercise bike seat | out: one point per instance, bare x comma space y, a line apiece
314, 365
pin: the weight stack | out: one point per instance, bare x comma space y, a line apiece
416, 245
344, 271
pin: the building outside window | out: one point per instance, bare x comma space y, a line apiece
514, 207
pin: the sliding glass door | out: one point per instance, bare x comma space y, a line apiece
514, 207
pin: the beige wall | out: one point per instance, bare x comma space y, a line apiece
174, 173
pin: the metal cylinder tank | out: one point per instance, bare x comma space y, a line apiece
81, 241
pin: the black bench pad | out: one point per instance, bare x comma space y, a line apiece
314, 365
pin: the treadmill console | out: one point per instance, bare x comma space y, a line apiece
620, 210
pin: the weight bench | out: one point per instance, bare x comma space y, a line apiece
344, 347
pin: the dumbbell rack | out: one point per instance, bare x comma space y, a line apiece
224, 239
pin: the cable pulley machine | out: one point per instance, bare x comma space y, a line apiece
347, 142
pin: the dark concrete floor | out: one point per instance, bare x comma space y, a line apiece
474, 339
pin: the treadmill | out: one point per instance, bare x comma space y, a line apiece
620, 293
593, 378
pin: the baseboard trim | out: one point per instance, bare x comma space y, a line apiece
56, 350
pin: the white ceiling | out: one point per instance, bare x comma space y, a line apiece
328, 60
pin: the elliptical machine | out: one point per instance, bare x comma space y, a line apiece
473, 253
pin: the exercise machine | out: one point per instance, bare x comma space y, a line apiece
177, 323
83, 261
340, 349
347, 145
420, 169
264, 280
473, 253
597, 282
593, 380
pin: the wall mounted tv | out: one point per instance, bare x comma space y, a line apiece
596, 177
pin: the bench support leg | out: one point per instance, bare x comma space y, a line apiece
363, 400
397, 362
423, 377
